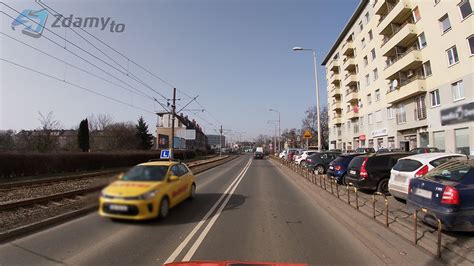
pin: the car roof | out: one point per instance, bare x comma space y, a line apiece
389, 153
159, 163
422, 157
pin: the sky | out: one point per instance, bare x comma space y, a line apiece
235, 55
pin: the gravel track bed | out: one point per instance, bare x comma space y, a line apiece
23, 193
15, 218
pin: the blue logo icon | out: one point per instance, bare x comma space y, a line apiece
32, 21
165, 154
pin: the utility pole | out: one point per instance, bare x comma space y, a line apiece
173, 117
220, 142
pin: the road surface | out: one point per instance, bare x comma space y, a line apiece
270, 215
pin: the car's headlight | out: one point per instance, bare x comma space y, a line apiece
148, 195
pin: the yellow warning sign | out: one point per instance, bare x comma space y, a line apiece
307, 135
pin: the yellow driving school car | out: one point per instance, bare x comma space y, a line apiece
148, 190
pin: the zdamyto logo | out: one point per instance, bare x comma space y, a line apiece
34, 22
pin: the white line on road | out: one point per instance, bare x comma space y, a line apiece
185, 242
206, 230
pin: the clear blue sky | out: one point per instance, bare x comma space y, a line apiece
236, 55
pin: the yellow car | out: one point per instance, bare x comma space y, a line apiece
148, 190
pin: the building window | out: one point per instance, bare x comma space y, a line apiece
470, 41
416, 14
378, 116
367, 79
462, 140
436, 1
367, 17
401, 114
420, 109
363, 43
376, 74
453, 57
422, 40
427, 69
465, 9
361, 26
372, 52
370, 118
445, 23
369, 98
371, 35
438, 140
377, 95
366, 62
458, 90
390, 113
435, 99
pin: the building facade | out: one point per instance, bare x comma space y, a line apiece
188, 134
215, 140
400, 75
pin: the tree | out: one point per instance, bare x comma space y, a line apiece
83, 136
145, 140
44, 139
7, 141
309, 122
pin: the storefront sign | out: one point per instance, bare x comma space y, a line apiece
459, 114
379, 132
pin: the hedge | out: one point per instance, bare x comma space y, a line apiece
31, 164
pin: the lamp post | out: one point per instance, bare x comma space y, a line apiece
275, 132
279, 127
317, 90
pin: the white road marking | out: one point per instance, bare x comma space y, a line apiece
206, 230
185, 242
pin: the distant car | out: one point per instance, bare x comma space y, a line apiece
446, 192
385, 150
365, 150
372, 171
424, 150
283, 154
338, 167
319, 162
259, 155
147, 190
303, 156
415, 166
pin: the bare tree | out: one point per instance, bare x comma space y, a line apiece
309, 122
44, 139
7, 141
100, 122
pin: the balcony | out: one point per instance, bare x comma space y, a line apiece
337, 120
349, 64
348, 48
394, 12
335, 79
407, 89
410, 59
402, 36
336, 105
353, 113
352, 96
350, 79
334, 65
335, 90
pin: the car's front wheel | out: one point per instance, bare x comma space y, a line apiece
164, 208
319, 169
192, 193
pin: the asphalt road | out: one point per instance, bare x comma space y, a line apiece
270, 216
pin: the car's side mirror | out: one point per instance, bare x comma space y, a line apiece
173, 178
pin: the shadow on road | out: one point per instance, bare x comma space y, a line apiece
191, 211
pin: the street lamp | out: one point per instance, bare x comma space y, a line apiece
279, 127
296, 49
273, 122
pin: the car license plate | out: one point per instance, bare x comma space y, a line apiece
121, 208
330, 167
352, 172
423, 193
400, 178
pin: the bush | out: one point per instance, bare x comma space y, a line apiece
30, 164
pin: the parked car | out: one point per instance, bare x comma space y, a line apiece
424, 150
283, 154
319, 162
337, 169
385, 150
446, 192
372, 171
365, 150
413, 167
303, 156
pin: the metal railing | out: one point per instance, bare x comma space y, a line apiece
420, 114
400, 56
390, 7
395, 31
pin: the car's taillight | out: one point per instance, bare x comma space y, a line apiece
450, 196
422, 171
337, 167
363, 171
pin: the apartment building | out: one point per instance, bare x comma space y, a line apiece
400, 75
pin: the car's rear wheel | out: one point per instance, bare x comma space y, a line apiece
164, 208
383, 186
343, 180
319, 169
192, 193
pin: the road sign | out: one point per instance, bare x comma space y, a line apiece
165, 154
307, 135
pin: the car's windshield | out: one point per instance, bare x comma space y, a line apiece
454, 170
146, 173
